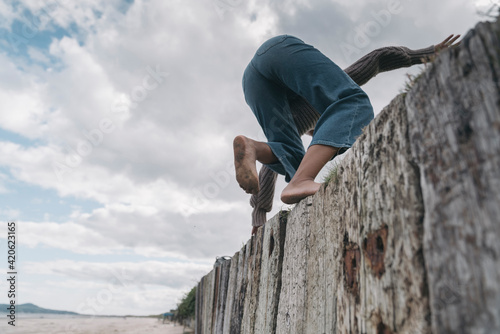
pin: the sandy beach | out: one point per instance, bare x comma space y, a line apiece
90, 326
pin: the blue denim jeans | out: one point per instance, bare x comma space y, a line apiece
285, 65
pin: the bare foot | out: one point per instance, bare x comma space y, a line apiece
302, 183
244, 162
295, 191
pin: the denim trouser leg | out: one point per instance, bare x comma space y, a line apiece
285, 63
268, 101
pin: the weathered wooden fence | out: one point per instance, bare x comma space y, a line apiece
404, 240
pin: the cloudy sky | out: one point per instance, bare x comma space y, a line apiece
116, 127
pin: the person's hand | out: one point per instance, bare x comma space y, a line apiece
254, 230
447, 43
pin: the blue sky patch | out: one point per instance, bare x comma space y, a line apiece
13, 137
35, 203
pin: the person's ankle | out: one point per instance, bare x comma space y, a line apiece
297, 181
263, 153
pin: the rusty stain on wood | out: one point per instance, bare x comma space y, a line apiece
383, 329
352, 262
374, 246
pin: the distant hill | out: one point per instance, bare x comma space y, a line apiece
32, 308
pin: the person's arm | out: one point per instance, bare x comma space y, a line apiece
262, 203
393, 57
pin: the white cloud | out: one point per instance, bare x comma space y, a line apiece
9, 214
101, 298
112, 288
69, 236
133, 274
7, 15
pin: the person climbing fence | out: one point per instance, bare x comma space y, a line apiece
293, 89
